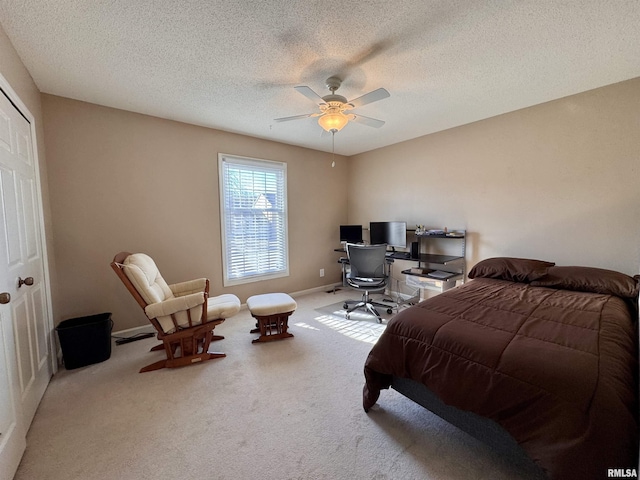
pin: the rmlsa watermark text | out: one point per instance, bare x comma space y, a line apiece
622, 473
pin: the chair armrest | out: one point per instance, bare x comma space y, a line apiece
174, 305
186, 288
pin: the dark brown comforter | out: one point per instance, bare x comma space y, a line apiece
556, 368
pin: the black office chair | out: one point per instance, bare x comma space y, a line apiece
368, 275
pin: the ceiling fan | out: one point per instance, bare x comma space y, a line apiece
334, 109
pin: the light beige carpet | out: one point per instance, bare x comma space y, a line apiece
290, 409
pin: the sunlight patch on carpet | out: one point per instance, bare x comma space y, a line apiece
305, 325
363, 331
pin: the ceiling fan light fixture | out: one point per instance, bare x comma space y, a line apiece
332, 117
333, 121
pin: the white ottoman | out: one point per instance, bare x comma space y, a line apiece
271, 311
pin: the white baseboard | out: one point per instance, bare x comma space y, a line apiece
141, 329
323, 288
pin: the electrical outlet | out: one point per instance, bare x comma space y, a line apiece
322, 272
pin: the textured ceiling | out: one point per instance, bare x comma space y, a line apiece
232, 64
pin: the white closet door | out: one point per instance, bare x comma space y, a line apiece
24, 321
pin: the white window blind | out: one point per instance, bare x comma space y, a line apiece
253, 212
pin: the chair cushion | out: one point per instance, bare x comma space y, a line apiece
141, 270
175, 305
188, 287
271, 304
367, 283
222, 306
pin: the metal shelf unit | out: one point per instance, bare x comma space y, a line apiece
423, 276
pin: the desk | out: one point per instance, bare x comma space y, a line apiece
390, 254
431, 255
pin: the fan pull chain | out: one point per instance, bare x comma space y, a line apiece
333, 148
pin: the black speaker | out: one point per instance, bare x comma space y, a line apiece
415, 249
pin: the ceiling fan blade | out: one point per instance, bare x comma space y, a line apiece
370, 97
296, 117
370, 122
310, 94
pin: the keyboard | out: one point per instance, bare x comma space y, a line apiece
439, 274
399, 255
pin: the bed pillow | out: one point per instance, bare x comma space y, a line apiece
522, 270
590, 279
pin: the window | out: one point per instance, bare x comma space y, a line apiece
253, 214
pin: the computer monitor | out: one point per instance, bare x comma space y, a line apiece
393, 234
351, 233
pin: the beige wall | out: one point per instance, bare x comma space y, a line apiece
124, 181
559, 181
16, 74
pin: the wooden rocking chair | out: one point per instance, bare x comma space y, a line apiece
183, 314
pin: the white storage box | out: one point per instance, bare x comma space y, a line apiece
430, 283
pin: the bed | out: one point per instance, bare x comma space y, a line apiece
541, 356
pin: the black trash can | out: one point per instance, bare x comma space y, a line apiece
85, 340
